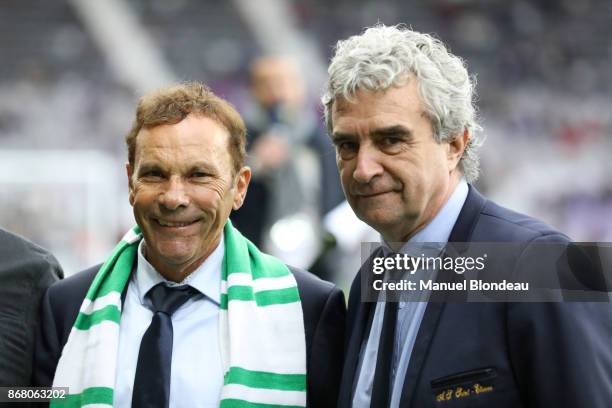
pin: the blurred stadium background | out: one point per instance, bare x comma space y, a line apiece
71, 72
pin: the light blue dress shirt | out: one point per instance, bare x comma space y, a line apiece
197, 372
411, 311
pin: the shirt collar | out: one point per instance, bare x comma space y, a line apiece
206, 279
438, 230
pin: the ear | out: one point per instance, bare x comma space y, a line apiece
130, 173
456, 147
242, 184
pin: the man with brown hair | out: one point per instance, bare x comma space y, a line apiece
186, 311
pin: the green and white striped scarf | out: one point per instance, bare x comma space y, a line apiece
263, 346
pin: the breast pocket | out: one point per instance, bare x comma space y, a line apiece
473, 388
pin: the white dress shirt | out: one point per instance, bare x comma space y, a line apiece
197, 372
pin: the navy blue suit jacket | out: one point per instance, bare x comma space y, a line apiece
515, 354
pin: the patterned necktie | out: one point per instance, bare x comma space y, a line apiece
152, 380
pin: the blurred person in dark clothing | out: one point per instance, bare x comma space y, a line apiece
292, 160
26, 270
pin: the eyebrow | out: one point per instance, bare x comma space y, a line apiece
147, 166
397, 130
338, 137
207, 167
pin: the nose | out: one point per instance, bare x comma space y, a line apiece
367, 166
174, 195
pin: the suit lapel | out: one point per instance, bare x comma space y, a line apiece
474, 203
461, 232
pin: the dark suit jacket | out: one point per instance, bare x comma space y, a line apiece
26, 270
516, 354
324, 320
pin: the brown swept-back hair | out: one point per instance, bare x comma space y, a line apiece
168, 106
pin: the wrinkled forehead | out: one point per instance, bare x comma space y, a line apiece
398, 106
195, 135
348, 90
405, 96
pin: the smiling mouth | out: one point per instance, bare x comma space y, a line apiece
373, 194
175, 224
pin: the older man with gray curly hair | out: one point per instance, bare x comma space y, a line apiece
400, 110
384, 57
409, 80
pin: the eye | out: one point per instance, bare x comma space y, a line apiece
348, 146
347, 150
152, 174
199, 175
391, 144
390, 141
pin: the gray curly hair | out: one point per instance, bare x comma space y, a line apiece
384, 56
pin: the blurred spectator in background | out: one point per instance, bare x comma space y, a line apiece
293, 163
26, 270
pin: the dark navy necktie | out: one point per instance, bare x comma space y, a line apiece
382, 376
384, 358
152, 380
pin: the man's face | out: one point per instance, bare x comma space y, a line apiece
395, 176
182, 189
